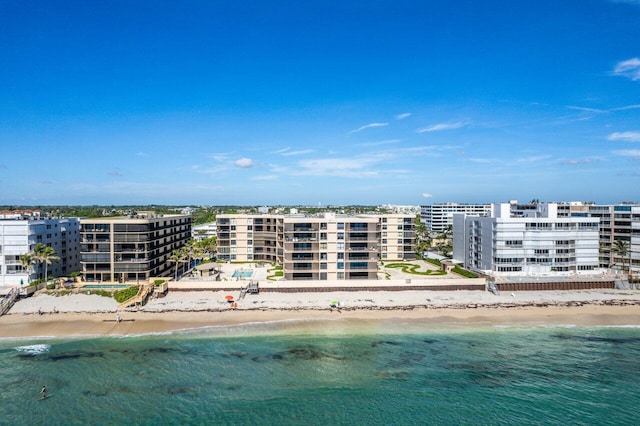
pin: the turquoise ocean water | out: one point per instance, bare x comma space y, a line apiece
329, 372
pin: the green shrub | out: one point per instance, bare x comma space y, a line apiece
432, 261
277, 274
51, 286
158, 282
125, 294
75, 274
411, 268
35, 282
458, 270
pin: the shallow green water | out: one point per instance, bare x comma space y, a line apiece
348, 373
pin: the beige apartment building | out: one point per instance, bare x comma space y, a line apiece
318, 247
131, 248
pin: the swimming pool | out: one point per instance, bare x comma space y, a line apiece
241, 273
98, 286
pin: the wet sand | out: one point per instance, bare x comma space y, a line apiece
135, 323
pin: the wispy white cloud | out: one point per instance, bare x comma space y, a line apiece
532, 159
265, 177
624, 136
426, 195
403, 116
634, 153
301, 152
115, 172
378, 143
368, 126
624, 108
280, 151
579, 161
484, 160
213, 170
343, 167
629, 68
244, 163
142, 154
586, 109
442, 126
221, 156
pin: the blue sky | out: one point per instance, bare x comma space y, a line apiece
307, 102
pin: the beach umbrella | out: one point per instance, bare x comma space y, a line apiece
229, 297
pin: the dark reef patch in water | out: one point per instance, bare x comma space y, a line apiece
384, 342
597, 339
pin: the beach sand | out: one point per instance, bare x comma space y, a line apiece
83, 315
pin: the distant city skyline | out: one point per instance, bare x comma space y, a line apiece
332, 103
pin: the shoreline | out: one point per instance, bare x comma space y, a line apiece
139, 323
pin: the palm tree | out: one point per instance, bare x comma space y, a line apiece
621, 248
178, 256
26, 261
46, 255
423, 239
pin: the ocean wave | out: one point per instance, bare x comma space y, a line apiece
281, 326
34, 349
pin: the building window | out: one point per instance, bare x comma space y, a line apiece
323, 246
323, 235
323, 256
340, 265
340, 225
340, 255
341, 235
340, 246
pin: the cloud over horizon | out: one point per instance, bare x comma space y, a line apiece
624, 136
629, 68
244, 163
368, 126
442, 126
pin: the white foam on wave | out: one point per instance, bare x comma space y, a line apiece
34, 349
241, 329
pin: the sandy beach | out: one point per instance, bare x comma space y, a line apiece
84, 315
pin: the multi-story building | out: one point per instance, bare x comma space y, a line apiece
325, 247
132, 248
618, 222
501, 244
204, 231
20, 236
439, 217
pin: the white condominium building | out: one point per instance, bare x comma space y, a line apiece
20, 236
543, 245
325, 247
439, 217
204, 231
